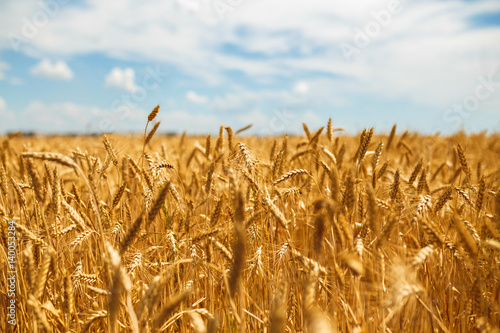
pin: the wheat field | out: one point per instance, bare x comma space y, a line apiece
321, 232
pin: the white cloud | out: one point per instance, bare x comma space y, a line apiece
58, 117
195, 98
63, 117
11, 16
122, 79
311, 31
58, 70
301, 87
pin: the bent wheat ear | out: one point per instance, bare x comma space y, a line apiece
151, 133
364, 144
443, 199
372, 210
243, 129
415, 172
395, 190
391, 137
291, 174
306, 130
375, 160
118, 195
131, 234
110, 150
3, 181
158, 202
247, 156
208, 146
348, 194
53, 157
153, 113
229, 131
329, 130
463, 160
431, 230
315, 137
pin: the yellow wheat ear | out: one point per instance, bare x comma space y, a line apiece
153, 113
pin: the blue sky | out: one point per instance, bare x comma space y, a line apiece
101, 66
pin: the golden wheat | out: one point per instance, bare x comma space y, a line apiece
281, 234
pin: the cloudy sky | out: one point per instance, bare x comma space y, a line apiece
101, 66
